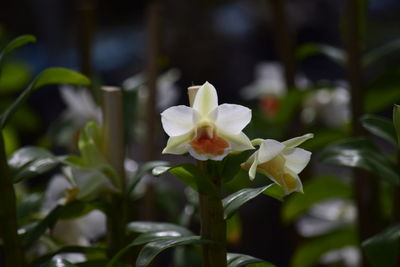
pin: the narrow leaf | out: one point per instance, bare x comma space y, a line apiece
383, 249
379, 126
152, 249
361, 153
144, 227
58, 262
396, 122
311, 49
316, 190
381, 52
192, 176
234, 201
141, 171
238, 260
29, 162
49, 76
17, 42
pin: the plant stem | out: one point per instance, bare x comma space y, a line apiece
14, 256
114, 150
213, 225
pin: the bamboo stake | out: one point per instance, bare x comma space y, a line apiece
12, 248
114, 150
213, 225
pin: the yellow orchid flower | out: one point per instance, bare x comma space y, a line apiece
206, 130
281, 162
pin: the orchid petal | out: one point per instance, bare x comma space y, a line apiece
253, 168
177, 144
206, 99
269, 149
197, 156
292, 183
238, 142
298, 140
178, 120
232, 118
296, 159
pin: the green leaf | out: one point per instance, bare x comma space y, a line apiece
379, 53
383, 249
387, 95
231, 165
361, 153
77, 209
29, 205
17, 42
152, 249
29, 162
309, 253
315, 190
40, 228
70, 249
49, 76
141, 171
234, 201
275, 191
144, 227
311, 49
58, 263
379, 126
238, 260
396, 122
192, 176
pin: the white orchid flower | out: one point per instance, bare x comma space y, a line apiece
281, 162
206, 131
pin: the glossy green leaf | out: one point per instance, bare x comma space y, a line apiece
379, 126
17, 42
144, 227
49, 76
383, 249
309, 253
29, 162
152, 249
239, 260
396, 122
14, 76
192, 176
275, 191
234, 201
141, 171
311, 49
28, 206
361, 153
58, 262
381, 52
34, 233
231, 165
88, 251
315, 190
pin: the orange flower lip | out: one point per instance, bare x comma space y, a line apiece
207, 142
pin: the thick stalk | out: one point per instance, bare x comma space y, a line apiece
213, 225
114, 150
14, 256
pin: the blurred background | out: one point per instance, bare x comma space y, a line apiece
285, 59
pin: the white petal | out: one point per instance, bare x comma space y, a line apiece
296, 159
232, 118
197, 156
269, 149
298, 140
176, 144
178, 120
238, 142
298, 187
253, 168
206, 99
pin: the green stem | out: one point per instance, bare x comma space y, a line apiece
8, 217
213, 225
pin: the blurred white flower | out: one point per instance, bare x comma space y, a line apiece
269, 87
81, 107
331, 106
349, 255
167, 91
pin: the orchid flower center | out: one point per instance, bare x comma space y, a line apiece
206, 141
